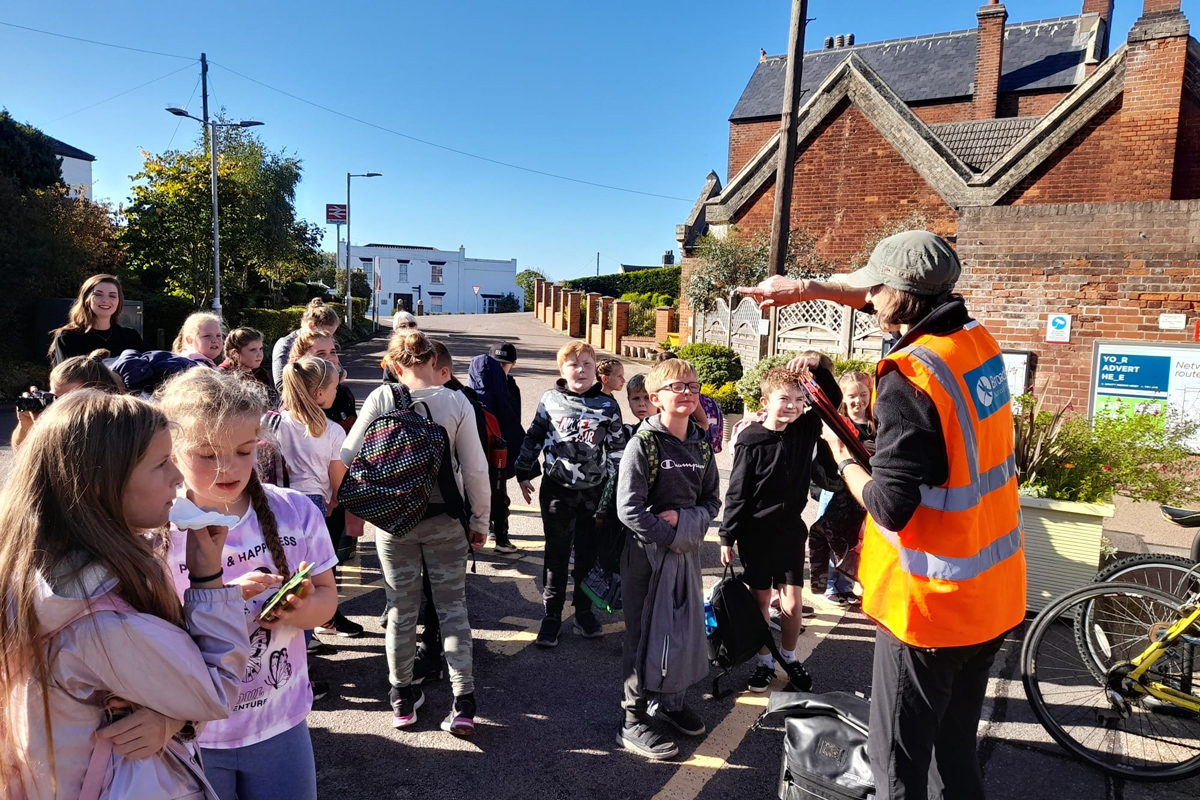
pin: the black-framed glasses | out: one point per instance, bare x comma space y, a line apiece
679, 387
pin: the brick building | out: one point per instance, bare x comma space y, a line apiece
1067, 171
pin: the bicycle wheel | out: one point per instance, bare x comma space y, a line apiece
1131, 736
1156, 570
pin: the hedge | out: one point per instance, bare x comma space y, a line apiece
651, 281
714, 363
277, 323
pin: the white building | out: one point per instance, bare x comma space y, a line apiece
442, 280
76, 168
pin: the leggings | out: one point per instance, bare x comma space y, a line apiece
282, 766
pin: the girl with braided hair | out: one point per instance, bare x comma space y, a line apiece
263, 750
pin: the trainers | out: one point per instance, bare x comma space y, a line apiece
427, 668
548, 633
587, 624
641, 739
836, 598
320, 690
799, 680
405, 702
461, 720
760, 681
341, 626
318, 648
684, 720
504, 545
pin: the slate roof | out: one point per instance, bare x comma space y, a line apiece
980, 143
64, 150
1047, 54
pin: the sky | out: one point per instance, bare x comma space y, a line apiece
633, 95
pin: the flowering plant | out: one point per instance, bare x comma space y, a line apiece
1062, 456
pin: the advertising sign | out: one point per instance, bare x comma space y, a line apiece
1146, 379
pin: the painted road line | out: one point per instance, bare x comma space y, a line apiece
713, 753
356, 580
516, 641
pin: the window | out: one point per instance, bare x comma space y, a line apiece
403, 271
435, 301
435, 272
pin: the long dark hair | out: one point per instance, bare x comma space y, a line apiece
81, 319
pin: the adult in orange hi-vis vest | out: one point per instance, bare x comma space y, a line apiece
943, 566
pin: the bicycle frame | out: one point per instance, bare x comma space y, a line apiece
1153, 653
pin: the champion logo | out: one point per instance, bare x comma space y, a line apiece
669, 464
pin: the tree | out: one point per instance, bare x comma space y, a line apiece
359, 287
506, 305
525, 279
740, 259
27, 156
263, 245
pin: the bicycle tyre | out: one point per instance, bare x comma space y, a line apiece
1052, 620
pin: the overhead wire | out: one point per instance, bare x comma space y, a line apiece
180, 120
122, 94
93, 41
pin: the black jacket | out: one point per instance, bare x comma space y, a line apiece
768, 487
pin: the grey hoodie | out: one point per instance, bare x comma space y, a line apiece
672, 653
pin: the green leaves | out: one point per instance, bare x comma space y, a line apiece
740, 259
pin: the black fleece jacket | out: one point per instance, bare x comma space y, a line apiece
910, 450
768, 487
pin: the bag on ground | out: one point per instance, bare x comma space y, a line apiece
824, 747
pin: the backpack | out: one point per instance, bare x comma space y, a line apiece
404, 455
269, 462
824, 747
737, 630
494, 446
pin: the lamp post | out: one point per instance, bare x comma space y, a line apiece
216, 235
349, 297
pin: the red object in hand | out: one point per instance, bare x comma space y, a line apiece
843, 428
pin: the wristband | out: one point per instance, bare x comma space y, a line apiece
206, 578
845, 463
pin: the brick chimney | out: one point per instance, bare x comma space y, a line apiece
1150, 107
1099, 28
989, 58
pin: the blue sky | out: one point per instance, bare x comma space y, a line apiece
630, 94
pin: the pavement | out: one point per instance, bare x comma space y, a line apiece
548, 718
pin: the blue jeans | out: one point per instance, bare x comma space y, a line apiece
282, 766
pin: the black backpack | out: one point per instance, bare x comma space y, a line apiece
741, 631
824, 747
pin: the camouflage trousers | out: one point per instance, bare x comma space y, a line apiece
441, 543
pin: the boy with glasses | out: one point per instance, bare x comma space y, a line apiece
667, 495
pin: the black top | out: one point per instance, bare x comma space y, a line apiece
768, 487
116, 340
910, 450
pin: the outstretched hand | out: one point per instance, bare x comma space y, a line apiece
775, 291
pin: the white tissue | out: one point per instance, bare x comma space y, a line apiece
187, 516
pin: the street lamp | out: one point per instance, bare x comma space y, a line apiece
212, 137
349, 298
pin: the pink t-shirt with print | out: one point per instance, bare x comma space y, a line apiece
275, 695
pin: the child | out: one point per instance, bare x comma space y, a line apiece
578, 428
263, 750
94, 626
244, 355
611, 373
311, 447
202, 338
437, 541
768, 489
834, 536
667, 512
639, 402
707, 414
317, 316
77, 372
488, 377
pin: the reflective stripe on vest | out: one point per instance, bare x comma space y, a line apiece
927, 565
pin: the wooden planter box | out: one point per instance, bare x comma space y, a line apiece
1062, 546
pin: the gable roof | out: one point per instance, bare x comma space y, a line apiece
980, 142
64, 150
1047, 54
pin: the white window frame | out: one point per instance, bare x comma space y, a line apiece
435, 303
403, 265
437, 273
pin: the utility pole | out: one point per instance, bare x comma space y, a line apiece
204, 88
597, 265
786, 154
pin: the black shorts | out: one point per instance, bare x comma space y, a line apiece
773, 560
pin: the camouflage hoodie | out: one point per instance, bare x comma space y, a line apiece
580, 435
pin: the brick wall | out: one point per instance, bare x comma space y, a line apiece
1154, 78
1028, 104
746, 139
1082, 170
1115, 267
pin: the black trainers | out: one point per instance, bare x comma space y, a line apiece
341, 626
320, 690
405, 702
587, 624
461, 721
760, 681
427, 668
684, 720
799, 679
504, 545
548, 633
318, 648
641, 739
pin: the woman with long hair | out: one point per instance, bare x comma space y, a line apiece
93, 323
94, 627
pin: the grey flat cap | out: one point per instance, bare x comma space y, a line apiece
917, 262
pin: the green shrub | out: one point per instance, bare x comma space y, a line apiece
750, 386
714, 363
17, 376
165, 312
296, 293
273, 323
726, 397
642, 311
651, 281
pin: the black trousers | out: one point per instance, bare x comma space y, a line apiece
568, 517
500, 505
925, 707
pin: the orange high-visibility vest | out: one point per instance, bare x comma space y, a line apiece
955, 574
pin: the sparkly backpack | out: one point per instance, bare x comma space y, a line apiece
404, 455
